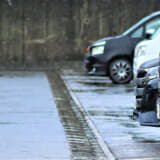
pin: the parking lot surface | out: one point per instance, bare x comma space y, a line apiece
30, 127
37, 125
110, 108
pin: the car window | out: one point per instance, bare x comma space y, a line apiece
138, 33
153, 25
156, 34
136, 25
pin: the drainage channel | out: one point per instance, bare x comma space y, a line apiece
83, 143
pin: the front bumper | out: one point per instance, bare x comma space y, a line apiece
139, 90
94, 66
140, 82
149, 113
88, 63
149, 119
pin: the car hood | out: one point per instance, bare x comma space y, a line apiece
142, 43
150, 63
106, 39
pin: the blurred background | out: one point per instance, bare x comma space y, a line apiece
36, 32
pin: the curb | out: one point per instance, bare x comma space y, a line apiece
99, 138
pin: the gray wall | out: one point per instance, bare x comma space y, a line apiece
36, 32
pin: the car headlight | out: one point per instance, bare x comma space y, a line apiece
153, 77
152, 70
141, 51
152, 73
147, 75
98, 48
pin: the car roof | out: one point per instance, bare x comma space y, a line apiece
155, 13
143, 20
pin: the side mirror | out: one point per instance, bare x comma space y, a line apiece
149, 33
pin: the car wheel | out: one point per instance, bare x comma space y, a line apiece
120, 71
135, 115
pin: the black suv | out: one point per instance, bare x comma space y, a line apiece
147, 94
113, 56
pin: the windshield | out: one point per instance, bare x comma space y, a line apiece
156, 34
136, 25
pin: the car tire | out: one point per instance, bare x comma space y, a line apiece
135, 115
120, 71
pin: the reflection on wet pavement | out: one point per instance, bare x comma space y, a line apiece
110, 107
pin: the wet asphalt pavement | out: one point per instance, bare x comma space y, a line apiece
40, 120
30, 127
110, 107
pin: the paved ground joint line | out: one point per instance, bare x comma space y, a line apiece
100, 140
83, 143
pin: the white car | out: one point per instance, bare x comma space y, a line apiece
146, 50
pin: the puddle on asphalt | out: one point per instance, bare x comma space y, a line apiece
8, 123
128, 90
150, 141
101, 88
13, 74
101, 83
89, 90
102, 91
106, 113
129, 125
142, 139
94, 83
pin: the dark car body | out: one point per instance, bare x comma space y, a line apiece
146, 70
147, 93
117, 48
148, 111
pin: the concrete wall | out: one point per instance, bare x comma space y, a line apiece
44, 31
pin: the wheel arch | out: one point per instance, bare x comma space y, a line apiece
127, 57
